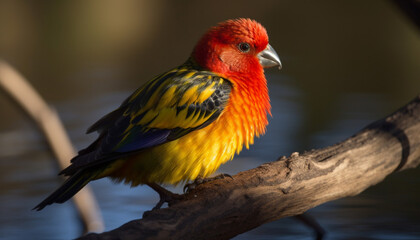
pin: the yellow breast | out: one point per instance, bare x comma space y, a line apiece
199, 153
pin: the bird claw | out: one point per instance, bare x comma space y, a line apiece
198, 181
169, 198
164, 196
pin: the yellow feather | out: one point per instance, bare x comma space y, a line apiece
164, 119
148, 117
153, 100
206, 93
168, 98
189, 75
189, 96
153, 82
200, 152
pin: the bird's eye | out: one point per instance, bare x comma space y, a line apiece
244, 47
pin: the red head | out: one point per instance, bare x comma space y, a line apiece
234, 48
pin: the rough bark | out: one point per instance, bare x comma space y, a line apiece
224, 208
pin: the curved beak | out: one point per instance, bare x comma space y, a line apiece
269, 58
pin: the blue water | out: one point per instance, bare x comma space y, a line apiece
346, 64
387, 211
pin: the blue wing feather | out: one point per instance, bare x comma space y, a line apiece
120, 131
138, 139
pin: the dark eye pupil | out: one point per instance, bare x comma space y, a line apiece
244, 47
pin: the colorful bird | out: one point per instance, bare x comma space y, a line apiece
186, 122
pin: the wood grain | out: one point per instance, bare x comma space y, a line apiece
224, 208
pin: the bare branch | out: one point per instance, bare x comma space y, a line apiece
48, 121
224, 208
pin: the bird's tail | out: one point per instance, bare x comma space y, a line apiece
69, 188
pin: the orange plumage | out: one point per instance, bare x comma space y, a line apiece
186, 122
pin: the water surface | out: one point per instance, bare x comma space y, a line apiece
345, 65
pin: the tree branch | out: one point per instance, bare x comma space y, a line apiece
224, 208
49, 123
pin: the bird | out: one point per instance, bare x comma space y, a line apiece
183, 124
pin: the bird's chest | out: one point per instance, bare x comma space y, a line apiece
199, 153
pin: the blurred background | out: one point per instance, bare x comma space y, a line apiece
345, 64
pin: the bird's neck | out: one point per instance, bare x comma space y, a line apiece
249, 105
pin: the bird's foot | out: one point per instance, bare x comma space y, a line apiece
198, 181
164, 195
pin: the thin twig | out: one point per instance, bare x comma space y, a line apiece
49, 123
